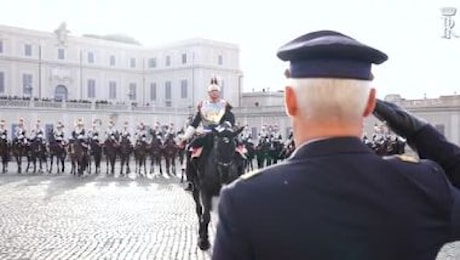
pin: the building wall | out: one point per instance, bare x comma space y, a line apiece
84, 58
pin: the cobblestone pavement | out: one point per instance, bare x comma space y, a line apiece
96, 217
100, 217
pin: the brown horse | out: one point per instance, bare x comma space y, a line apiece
79, 157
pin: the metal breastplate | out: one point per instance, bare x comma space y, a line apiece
212, 113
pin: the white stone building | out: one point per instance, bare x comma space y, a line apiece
60, 66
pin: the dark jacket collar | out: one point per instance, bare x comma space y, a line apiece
331, 146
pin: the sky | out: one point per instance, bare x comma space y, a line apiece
421, 63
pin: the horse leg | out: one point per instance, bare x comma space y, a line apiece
159, 163
112, 165
50, 169
122, 161
203, 239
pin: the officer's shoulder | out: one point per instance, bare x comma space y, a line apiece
251, 174
410, 162
402, 158
267, 171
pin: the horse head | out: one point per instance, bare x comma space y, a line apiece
225, 143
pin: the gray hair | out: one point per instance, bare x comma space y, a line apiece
325, 99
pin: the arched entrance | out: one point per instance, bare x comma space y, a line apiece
60, 93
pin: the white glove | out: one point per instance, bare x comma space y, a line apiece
188, 133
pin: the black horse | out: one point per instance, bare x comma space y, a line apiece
4, 154
218, 165
170, 150
57, 149
36, 152
19, 149
156, 150
263, 152
125, 150
110, 149
141, 150
96, 154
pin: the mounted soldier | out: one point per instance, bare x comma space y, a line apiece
94, 133
37, 133
211, 113
3, 131
20, 133
141, 133
79, 133
156, 130
125, 131
58, 133
112, 132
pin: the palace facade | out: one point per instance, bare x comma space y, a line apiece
59, 66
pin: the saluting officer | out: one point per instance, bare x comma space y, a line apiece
334, 198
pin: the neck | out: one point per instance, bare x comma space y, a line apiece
307, 131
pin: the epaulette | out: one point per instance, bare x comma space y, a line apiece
404, 158
250, 174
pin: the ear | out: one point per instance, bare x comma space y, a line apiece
237, 132
290, 101
370, 106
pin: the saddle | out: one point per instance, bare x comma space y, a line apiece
195, 152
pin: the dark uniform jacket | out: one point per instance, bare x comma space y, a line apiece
433, 145
337, 199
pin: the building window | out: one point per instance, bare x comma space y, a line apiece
132, 62
220, 60
112, 90
168, 90
1, 46
27, 84
153, 91
112, 60
184, 58
183, 88
61, 54
168, 61
168, 103
152, 63
91, 88
28, 50
2, 82
90, 57
132, 91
